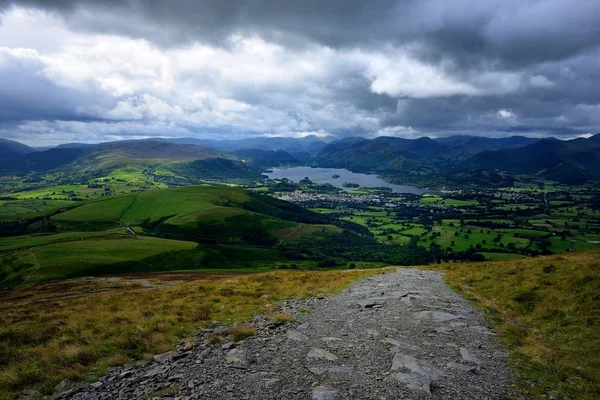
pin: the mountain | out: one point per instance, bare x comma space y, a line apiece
10, 147
12, 152
471, 145
16, 157
302, 147
41, 161
189, 158
393, 154
571, 162
86, 157
107, 155
266, 158
383, 154
74, 145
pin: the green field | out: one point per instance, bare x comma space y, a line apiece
447, 201
501, 256
25, 241
88, 256
235, 229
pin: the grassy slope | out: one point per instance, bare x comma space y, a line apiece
25, 241
86, 256
91, 242
183, 207
548, 312
75, 329
106, 210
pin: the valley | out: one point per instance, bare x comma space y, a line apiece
534, 217
197, 237
299, 200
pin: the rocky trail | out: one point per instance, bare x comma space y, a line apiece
400, 335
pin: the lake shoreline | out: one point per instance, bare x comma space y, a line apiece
337, 177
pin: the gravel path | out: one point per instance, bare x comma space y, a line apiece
401, 335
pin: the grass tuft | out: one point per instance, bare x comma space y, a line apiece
214, 339
281, 317
241, 331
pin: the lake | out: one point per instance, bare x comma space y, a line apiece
325, 175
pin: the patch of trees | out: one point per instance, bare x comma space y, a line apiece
350, 247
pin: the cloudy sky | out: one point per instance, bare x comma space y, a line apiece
89, 71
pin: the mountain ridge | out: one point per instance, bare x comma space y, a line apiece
576, 160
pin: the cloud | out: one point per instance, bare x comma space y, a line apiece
402, 76
233, 68
29, 93
540, 81
506, 114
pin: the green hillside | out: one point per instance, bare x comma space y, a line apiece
192, 213
570, 162
90, 256
162, 230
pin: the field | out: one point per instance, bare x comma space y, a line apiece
448, 201
501, 256
187, 228
178, 208
84, 257
548, 312
75, 329
43, 192
533, 217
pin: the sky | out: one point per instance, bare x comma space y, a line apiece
91, 71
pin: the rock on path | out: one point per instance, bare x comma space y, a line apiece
401, 335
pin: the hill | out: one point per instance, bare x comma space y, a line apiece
100, 159
15, 157
381, 154
545, 310
10, 147
11, 152
431, 161
266, 158
186, 212
121, 153
405, 156
181, 228
299, 147
464, 146
570, 162
182, 163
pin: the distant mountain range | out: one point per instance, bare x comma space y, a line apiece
300, 148
385, 153
572, 161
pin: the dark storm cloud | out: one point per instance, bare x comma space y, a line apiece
504, 65
27, 94
513, 32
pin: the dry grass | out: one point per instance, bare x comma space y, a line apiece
281, 317
75, 329
241, 331
547, 310
214, 339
